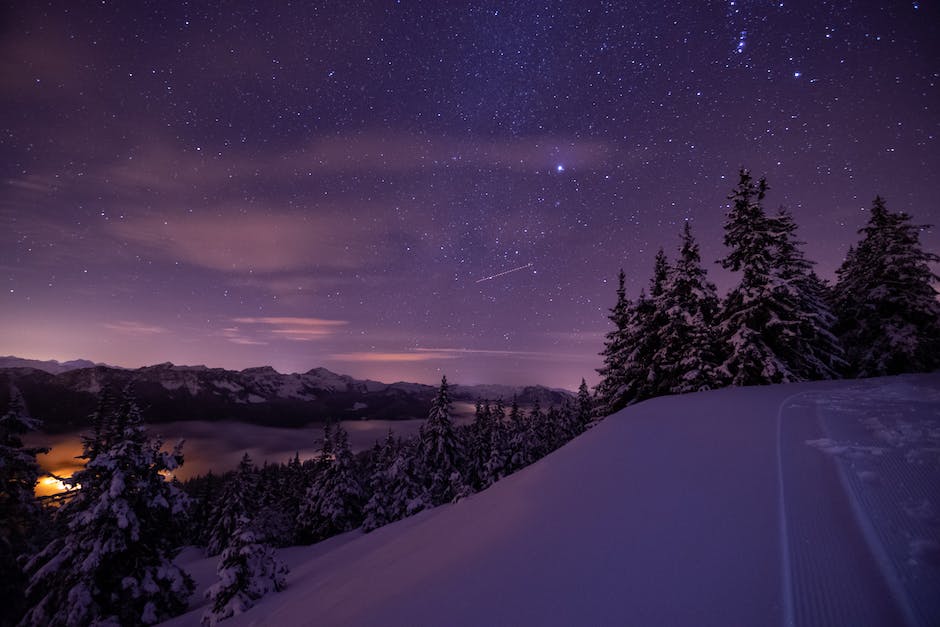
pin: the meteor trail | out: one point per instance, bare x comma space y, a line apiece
487, 278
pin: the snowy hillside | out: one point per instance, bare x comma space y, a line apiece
805, 504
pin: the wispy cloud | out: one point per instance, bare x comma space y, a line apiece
129, 327
256, 241
296, 329
372, 357
434, 354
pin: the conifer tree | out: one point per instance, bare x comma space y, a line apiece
20, 512
406, 482
616, 346
642, 371
747, 319
248, 569
585, 408
688, 352
498, 463
333, 503
114, 562
808, 345
239, 499
378, 510
888, 316
442, 453
520, 441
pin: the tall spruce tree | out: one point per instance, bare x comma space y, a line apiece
20, 512
239, 498
333, 503
114, 562
808, 346
248, 569
888, 316
616, 345
688, 356
643, 367
584, 409
749, 325
442, 454
378, 510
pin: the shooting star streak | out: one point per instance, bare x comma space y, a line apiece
494, 276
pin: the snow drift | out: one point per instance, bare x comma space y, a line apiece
806, 504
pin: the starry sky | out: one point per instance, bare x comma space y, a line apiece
397, 190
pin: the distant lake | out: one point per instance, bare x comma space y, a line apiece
219, 446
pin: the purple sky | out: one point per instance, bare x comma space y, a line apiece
237, 185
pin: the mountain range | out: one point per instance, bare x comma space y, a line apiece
63, 395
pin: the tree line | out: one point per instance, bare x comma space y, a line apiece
780, 323
105, 556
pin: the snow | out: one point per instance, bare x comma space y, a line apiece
701, 509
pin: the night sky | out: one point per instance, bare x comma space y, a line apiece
248, 183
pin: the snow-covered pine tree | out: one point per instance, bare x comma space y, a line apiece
809, 347
688, 356
750, 324
520, 441
616, 346
642, 376
498, 463
333, 503
276, 517
378, 510
442, 456
248, 570
406, 482
885, 302
113, 565
239, 498
584, 412
479, 440
537, 433
20, 512
204, 492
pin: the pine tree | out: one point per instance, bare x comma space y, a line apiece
809, 347
688, 353
239, 498
642, 370
442, 452
20, 512
520, 441
378, 510
333, 503
114, 562
585, 408
498, 464
407, 492
248, 569
887, 309
747, 317
616, 345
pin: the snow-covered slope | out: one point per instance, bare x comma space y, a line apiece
808, 504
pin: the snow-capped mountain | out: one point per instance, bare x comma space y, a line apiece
262, 395
51, 366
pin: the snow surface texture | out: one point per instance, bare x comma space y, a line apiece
802, 504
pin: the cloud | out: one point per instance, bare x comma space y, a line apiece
260, 241
129, 327
435, 354
295, 329
387, 357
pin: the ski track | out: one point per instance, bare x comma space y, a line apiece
895, 487
859, 483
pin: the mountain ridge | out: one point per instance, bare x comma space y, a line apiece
257, 395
